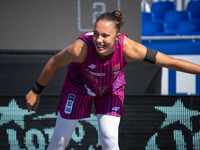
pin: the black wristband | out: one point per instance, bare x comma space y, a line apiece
37, 88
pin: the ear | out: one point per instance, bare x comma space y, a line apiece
118, 36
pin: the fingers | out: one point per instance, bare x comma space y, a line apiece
29, 106
32, 99
36, 105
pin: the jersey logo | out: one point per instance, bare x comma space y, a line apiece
94, 73
94, 80
70, 101
92, 66
116, 67
89, 91
89, 33
116, 74
102, 89
116, 108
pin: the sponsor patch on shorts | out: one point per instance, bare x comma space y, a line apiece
116, 108
69, 105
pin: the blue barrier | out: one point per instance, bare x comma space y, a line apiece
173, 82
174, 46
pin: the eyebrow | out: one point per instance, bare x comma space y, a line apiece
102, 33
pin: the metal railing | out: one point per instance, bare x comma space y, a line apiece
192, 37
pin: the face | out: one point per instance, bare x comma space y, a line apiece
105, 36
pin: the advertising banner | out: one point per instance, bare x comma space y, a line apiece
148, 122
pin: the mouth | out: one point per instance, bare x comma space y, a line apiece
100, 47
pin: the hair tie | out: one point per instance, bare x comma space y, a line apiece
115, 15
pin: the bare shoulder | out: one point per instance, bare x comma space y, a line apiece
76, 52
131, 44
133, 51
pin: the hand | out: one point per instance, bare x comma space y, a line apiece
32, 99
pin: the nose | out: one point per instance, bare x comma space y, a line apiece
99, 39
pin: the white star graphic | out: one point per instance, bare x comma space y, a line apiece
13, 112
179, 113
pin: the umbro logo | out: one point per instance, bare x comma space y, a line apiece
92, 66
116, 108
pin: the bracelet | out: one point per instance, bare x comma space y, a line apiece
37, 88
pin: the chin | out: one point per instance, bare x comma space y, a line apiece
102, 52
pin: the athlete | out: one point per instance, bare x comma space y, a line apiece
95, 62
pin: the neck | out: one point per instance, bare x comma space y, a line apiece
105, 58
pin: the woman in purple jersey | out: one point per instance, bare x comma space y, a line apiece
95, 62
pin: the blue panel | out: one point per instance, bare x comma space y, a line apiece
198, 85
174, 47
172, 82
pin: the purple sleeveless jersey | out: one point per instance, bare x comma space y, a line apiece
93, 77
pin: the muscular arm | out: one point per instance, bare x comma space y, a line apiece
136, 52
133, 51
177, 64
74, 53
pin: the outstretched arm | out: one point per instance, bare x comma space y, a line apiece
134, 51
74, 53
177, 64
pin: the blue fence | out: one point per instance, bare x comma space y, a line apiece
187, 48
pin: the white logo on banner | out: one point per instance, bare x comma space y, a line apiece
12, 112
181, 114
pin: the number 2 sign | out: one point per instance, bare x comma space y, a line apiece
88, 10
